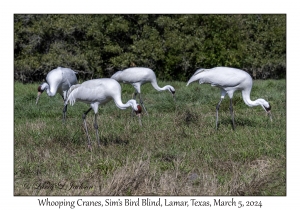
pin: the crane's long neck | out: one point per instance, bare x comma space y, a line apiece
156, 87
45, 86
120, 104
247, 100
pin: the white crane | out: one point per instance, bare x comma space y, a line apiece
229, 80
137, 76
98, 92
58, 80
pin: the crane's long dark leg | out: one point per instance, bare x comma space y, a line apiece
65, 112
231, 112
217, 112
64, 109
96, 128
86, 130
142, 103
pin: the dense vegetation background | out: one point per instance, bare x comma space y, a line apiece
173, 45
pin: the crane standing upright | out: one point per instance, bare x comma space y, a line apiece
98, 92
229, 80
58, 80
137, 76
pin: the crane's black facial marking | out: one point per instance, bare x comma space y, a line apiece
173, 92
268, 108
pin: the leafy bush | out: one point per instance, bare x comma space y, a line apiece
174, 46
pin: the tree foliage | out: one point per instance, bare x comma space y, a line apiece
173, 45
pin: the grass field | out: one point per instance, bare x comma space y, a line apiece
177, 151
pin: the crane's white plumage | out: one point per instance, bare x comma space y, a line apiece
229, 80
137, 76
98, 92
58, 80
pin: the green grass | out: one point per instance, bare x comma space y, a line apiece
177, 151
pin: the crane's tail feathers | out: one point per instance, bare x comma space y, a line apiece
198, 71
70, 97
195, 76
72, 100
73, 87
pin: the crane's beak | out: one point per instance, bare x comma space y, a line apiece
174, 97
268, 110
38, 97
140, 119
270, 115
